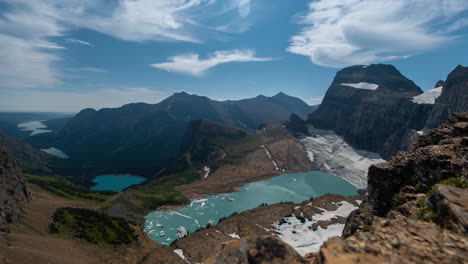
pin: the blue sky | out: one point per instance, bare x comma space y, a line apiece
68, 55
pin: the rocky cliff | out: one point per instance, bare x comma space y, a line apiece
376, 108
13, 191
366, 105
454, 97
417, 205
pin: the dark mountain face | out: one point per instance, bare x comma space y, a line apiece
454, 97
29, 159
142, 138
372, 107
366, 105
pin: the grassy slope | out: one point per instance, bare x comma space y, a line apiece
92, 226
62, 188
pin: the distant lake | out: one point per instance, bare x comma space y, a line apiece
56, 152
115, 182
36, 127
163, 226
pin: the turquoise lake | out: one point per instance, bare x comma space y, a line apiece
115, 182
167, 226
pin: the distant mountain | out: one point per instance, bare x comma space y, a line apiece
28, 158
376, 108
142, 138
453, 97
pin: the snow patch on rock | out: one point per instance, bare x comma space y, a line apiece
428, 97
206, 169
269, 156
300, 234
331, 154
362, 85
234, 235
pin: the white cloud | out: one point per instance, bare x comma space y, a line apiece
340, 33
36, 100
79, 42
191, 63
29, 57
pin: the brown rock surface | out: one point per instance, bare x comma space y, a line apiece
451, 204
392, 241
422, 222
13, 191
260, 250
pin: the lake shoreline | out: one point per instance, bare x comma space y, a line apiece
161, 225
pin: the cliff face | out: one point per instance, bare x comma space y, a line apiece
417, 205
13, 191
376, 108
366, 105
454, 97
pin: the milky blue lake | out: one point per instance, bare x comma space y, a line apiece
115, 182
163, 226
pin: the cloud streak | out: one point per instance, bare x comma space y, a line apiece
342, 33
191, 64
79, 42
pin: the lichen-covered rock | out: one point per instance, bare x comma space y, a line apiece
451, 205
437, 155
260, 250
392, 241
13, 191
408, 217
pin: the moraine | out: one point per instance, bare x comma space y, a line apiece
167, 226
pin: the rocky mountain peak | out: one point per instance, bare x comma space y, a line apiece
382, 76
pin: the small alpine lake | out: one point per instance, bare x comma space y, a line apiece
167, 226
115, 182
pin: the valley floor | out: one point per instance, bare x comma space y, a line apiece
29, 241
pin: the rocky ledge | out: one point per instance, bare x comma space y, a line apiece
416, 210
13, 191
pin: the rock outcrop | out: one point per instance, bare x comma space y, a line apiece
437, 155
261, 250
13, 191
409, 217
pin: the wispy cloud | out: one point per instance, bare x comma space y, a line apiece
341, 33
79, 42
191, 63
30, 57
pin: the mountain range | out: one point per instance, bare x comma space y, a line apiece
142, 138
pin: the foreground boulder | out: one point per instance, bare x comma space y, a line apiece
13, 191
416, 210
261, 250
